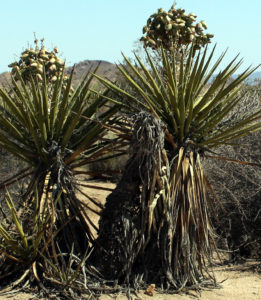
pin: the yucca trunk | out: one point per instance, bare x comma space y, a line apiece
116, 245
155, 226
187, 237
56, 185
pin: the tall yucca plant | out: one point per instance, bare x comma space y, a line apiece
163, 230
56, 131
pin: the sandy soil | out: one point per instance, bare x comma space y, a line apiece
238, 285
236, 282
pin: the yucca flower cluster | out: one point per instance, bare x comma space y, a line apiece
33, 62
174, 29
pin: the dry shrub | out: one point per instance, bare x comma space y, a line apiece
238, 186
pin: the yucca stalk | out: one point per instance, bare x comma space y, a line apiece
161, 207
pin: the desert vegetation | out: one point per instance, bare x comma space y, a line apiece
172, 123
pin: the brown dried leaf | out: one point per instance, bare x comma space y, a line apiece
150, 290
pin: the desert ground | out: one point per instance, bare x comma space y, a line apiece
236, 282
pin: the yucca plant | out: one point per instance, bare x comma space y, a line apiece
57, 132
20, 245
161, 228
24, 234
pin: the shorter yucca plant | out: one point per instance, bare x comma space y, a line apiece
25, 232
29, 248
57, 131
161, 230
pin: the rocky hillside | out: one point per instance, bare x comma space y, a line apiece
5, 78
106, 69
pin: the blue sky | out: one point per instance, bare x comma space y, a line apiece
101, 29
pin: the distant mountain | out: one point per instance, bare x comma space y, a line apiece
255, 76
252, 78
5, 78
106, 70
